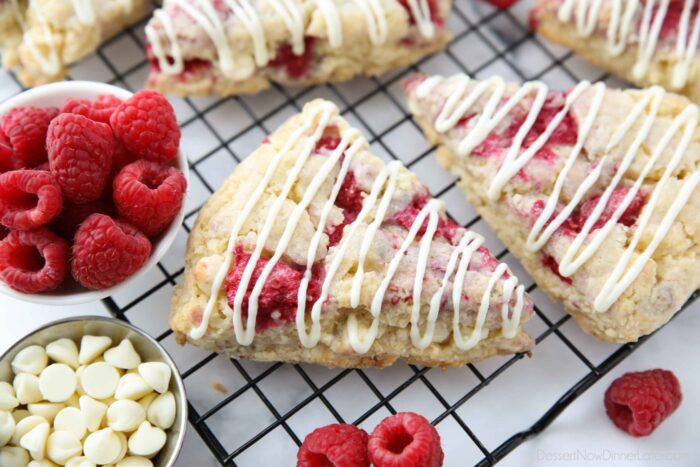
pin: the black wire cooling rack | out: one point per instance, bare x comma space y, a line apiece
242, 410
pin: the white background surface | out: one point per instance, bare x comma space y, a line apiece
487, 43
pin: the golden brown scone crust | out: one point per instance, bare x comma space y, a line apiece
209, 237
72, 39
594, 49
668, 279
356, 56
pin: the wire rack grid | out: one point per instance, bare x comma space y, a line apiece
251, 413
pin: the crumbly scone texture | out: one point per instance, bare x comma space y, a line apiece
52, 29
668, 278
594, 49
203, 75
208, 241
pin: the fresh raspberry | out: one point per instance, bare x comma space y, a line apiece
33, 261
638, 402
72, 215
6, 156
28, 199
405, 440
25, 128
337, 445
503, 4
296, 66
3, 232
147, 126
106, 252
80, 156
99, 110
149, 195
121, 158
579, 217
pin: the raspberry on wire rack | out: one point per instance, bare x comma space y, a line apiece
594, 189
200, 47
644, 42
315, 250
42, 38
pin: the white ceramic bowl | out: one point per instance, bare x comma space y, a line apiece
54, 95
147, 347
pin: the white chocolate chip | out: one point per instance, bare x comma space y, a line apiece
156, 374
48, 410
124, 444
92, 347
93, 412
63, 351
103, 447
27, 388
42, 463
79, 378
20, 415
135, 462
26, 425
8, 400
99, 380
62, 446
70, 419
35, 440
81, 461
146, 401
30, 360
125, 415
132, 386
162, 411
57, 382
13, 456
123, 356
147, 440
7, 427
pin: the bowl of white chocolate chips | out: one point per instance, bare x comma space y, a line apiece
90, 391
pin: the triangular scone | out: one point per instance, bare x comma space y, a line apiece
644, 42
41, 38
593, 189
241, 46
354, 238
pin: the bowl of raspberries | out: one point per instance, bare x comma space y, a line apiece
92, 189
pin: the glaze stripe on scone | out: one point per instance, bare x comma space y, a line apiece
41, 38
594, 189
314, 250
645, 42
241, 46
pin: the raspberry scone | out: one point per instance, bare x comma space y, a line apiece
41, 38
645, 42
229, 47
593, 189
314, 250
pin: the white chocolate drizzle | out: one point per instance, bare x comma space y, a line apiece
49, 60
374, 209
624, 14
290, 11
465, 94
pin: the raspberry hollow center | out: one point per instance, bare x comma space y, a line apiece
27, 258
399, 441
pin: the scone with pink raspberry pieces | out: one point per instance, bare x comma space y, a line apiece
644, 42
228, 47
315, 250
594, 189
42, 38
